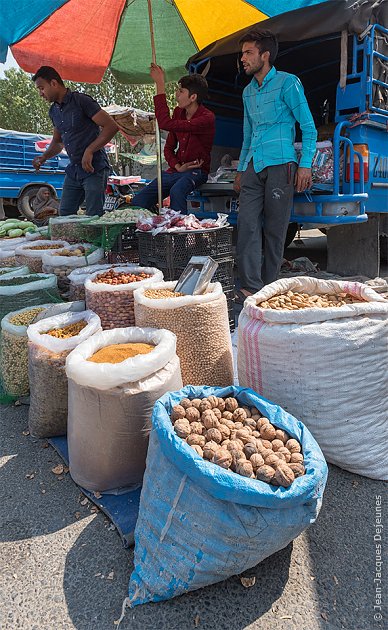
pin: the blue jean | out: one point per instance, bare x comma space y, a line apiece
91, 189
177, 185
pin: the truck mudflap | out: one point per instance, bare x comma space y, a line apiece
345, 203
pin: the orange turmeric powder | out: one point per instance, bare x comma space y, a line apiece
116, 353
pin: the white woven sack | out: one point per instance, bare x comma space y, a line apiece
326, 366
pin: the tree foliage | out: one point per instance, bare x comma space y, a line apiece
22, 109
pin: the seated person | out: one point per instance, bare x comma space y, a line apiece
44, 206
189, 142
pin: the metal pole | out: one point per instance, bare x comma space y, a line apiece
157, 130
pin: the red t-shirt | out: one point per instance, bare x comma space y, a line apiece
188, 140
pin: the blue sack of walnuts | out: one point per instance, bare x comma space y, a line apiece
199, 523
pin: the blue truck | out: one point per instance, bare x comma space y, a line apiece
345, 77
19, 181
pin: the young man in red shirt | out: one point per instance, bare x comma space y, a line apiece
189, 142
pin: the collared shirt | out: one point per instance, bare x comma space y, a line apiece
270, 113
73, 119
188, 140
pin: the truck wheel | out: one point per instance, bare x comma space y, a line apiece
291, 232
24, 201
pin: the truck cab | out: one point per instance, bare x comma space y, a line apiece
345, 82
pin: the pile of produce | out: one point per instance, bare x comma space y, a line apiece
71, 330
80, 250
117, 353
31, 253
293, 301
62, 262
239, 439
69, 228
172, 221
160, 294
125, 215
13, 228
25, 318
44, 247
122, 277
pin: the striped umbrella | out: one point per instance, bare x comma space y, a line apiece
82, 38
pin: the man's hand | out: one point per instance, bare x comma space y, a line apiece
37, 162
157, 74
303, 179
237, 183
188, 166
87, 161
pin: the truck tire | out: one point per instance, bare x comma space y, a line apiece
291, 232
24, 201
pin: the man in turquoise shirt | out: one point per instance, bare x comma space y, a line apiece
268, 170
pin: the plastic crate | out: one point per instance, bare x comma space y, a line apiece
126, 256
229, 293
171, 252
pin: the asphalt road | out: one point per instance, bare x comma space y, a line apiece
63, 567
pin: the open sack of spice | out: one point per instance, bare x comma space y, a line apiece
219, 509
115, 378
50, 341
201, 325
319, 348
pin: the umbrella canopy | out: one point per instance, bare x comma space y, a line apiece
82, 38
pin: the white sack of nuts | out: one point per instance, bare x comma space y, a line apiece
31, 253
201, 325
78, 276
326, 363
208, 522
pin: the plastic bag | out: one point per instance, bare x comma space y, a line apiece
12, 243
29, 290
209, 523
62, 266
323, 162
7, 257
78, 276
48, 382
201, 325
33, 257
110, 406
114, 302
13, 272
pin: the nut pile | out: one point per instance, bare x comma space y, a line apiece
78, 251
159, 294
63, 270
44, 247
26, 317
293, 301
239, 439
8, 258
115, 308
71, 330
70, 230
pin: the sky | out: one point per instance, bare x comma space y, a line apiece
10, 63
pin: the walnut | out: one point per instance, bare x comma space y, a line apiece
196, 427
265, 473
256, 434
213, 400
197, 449
296, 458
239, 415
244, 435
227, 423
225, 443
238, 425
271, 459
293, 446
268, 432
297, 469
222, 458
259, 446
182, 428
235, 444
204, 405
221, 404
250, 423
210, 449
177, 412
233, 434
217, 413
255, 411
285, 452
228, 415
194, 438
266, 452
256, 461
231, 404
192, 414
185, 403
261, 422
236, 457
249, 449
244, 468
247, 411
214, 435
266, 444
276, 444
281, 435
209, 420
196, 402
284, 476
225, 432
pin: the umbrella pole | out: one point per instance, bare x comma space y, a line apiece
157, 130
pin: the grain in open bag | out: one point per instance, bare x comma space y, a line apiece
29, 290
31, 253
47, 376
13, 272
201, 325
329, 366
113, 301
110, 406
64, 261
